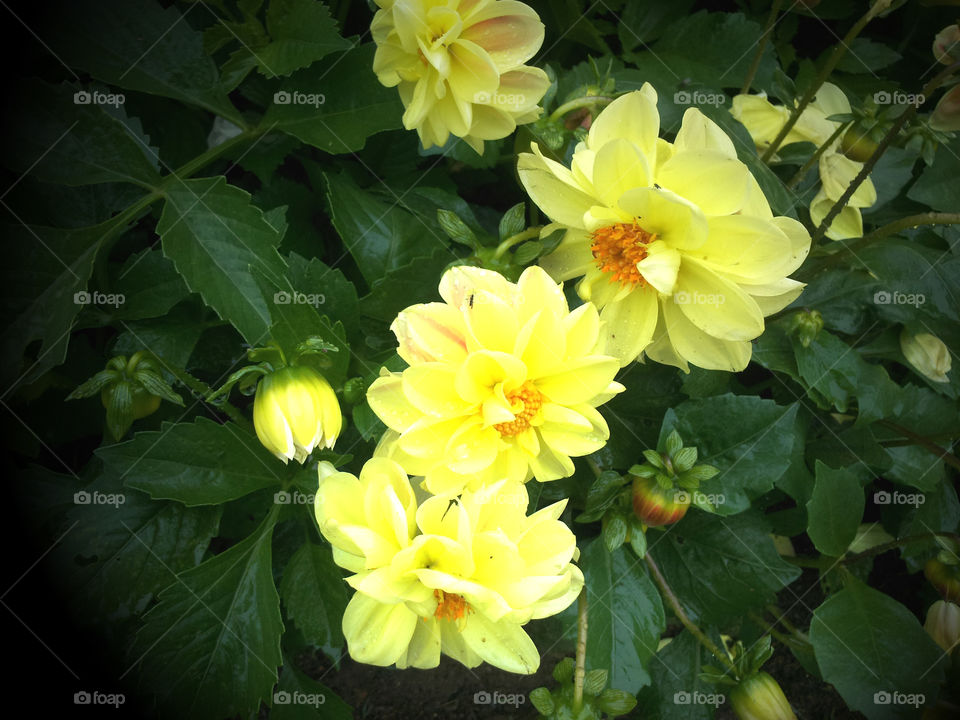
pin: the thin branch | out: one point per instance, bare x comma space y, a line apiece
761, 45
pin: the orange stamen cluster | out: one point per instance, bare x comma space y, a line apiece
618, 248
450, 606
525, 402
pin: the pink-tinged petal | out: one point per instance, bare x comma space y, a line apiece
520, 90
432, 332
459, 283
510, 31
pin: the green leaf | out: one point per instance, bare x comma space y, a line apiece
43, 274
720, 566
140, 45
939, 184
749, 439
867, 56
625, 615
315, 594
198, 463
835, 510
172, 338
211, 645
150, 285
299, 697
313, 277
378, 232
869, 646
335, 105
301, 32
601, 495
66, 135
614, 530
513, 221
214, 236
124, 548
676, 675
456, 229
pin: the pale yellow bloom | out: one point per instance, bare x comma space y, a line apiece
294, 411
458, 576
763, 121
676, 241
504, 382
459, 66
943, 624
928, 355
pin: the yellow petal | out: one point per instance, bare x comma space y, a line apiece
628, 324
431, 389
583, 328
459, 283
847, 224
659, 268
504, 645
633, 117
571, 258
566, 431
553, 188
520, 91
387, 399
473, 73
484, 369
717, 184
837, 172
510, 31
377, 633
674, 219
580, 380
617, 168
747, 248
698, 132
424, 649
774, 297
699, 348
492, 322
430, 332
716, 306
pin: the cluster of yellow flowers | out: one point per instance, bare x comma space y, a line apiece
764, 121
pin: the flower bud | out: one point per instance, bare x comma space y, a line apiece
655, 505
946, 45
943, 624
807, 324
759, 697
946, 115
295, 410
927, 354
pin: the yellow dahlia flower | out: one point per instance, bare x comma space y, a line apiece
764, 121
503, 382
675, 241
458, 576
294, 411
458, 65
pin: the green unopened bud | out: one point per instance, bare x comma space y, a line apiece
616, 702
927, 354
946, 115
294, 411
759, 697
946, 45
806, 325
354, 390
943, 624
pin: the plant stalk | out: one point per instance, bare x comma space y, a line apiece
761, 45
798, 176
580, 669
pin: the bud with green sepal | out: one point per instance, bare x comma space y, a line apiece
943, 572
759, 697
598, 700
664, 486
806, 325
129, 390
943, 624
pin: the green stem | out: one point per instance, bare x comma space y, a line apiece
880, 549
761, 46
527, 234
202, 390
838, 52
580, 669
892, 228
923, 442
782, 619
816, 156
674, 603
882, 146
588, 101
772, 630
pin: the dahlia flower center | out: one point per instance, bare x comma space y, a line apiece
525, 402
450, 606
618, 248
